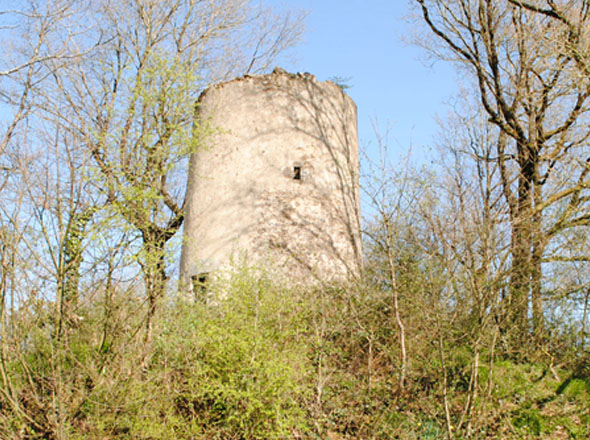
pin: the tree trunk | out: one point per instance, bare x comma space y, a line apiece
154, 270
521, 244
539, 243
73, 249
398, 319
536, 276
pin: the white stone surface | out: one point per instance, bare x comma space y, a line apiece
243, 202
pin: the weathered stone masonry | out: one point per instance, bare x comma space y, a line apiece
278, 180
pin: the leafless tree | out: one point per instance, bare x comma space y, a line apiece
390, 192
530, 90
130, 103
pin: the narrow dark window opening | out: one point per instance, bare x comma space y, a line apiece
200, 284
297, 173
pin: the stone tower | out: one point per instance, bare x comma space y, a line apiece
277, 180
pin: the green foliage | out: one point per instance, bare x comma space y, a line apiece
529, 422
239, 364
576, 389
258, 360
235, 368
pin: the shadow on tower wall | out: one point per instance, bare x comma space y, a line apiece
281, 184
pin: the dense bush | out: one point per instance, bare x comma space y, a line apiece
258, 360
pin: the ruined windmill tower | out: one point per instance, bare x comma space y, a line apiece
277, 180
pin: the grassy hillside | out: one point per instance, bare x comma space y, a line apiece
258, 360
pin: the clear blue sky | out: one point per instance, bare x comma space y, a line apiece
390, 80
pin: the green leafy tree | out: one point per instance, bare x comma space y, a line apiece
131, 104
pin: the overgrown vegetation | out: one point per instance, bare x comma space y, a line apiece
267, 361
471, 316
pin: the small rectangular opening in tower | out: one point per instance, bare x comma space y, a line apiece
199, 282
297, 173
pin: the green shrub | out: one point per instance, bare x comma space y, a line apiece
259, 360
234, 368
576, 389
529, 421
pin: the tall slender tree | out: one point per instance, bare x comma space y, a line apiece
531, 92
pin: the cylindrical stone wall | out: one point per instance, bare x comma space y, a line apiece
276, 181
